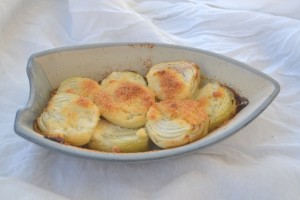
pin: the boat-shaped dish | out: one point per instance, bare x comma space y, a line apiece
46, 70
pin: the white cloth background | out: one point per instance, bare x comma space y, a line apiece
262, 161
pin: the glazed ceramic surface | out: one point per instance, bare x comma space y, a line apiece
46, 70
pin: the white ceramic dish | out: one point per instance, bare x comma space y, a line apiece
46, 70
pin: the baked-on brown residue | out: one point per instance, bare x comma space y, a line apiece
143, 45
169, 83
241, 102
147, 63
60, 140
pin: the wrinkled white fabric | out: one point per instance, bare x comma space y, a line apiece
262, 161
15, 189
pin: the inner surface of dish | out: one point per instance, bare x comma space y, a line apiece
126, 112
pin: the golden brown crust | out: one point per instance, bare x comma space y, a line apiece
127, 92
89, 86
170, 83
103, 100
124, 103
84, 102
189, 110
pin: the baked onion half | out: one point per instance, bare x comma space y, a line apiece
108, 137
174, 80
173, 123
219, 103
124, 100
78, 85
70, 118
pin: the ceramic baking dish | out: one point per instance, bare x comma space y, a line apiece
46, 70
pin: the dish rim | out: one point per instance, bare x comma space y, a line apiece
20, 129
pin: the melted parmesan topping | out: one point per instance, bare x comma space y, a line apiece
189, 110
170, 83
